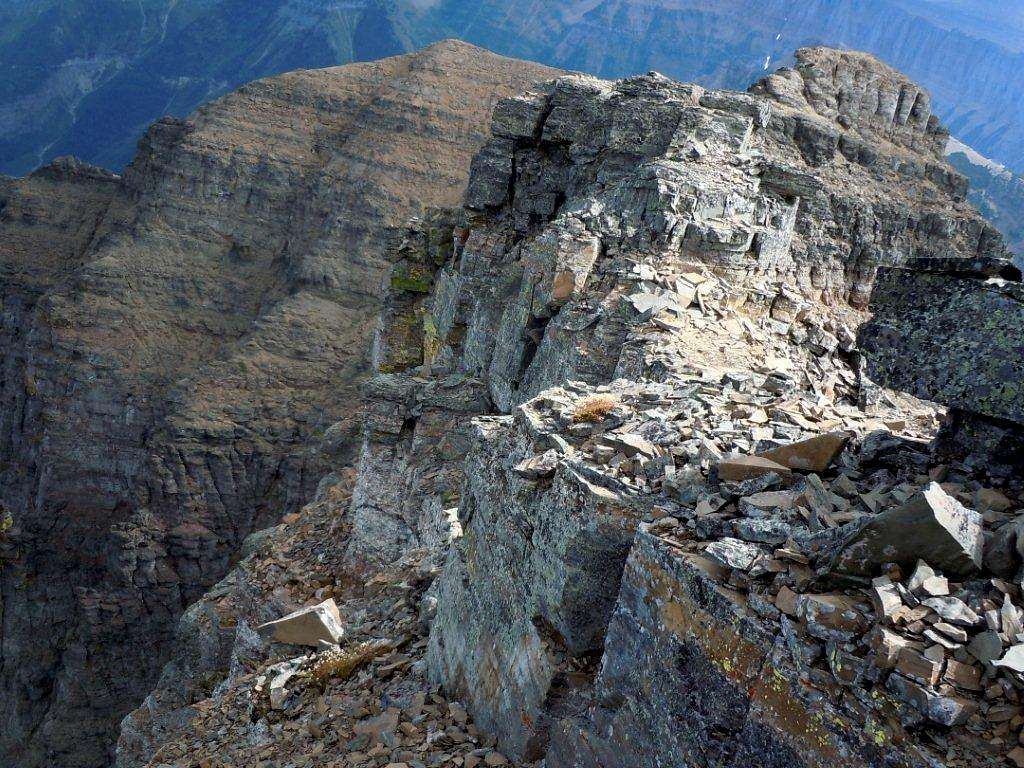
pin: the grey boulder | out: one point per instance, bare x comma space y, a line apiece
932, 526
307, 626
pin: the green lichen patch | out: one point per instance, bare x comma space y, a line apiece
412, 278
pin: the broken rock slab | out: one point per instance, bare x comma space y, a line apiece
931, 526
691, 675
737, 468
307, 626
539, 466
815, 454
953, 338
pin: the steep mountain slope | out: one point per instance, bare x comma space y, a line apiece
995, 20
176, 342
620, 390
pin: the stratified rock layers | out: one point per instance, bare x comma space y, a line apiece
174, 342
594, 220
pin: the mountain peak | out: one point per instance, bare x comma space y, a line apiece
857, 92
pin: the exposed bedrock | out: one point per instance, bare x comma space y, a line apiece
954, 333
688, 252
590, 192
525, 597
692, 676
179, 341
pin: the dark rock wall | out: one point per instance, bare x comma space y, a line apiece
692, 677
171, 380
954, 337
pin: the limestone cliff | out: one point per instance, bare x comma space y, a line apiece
794, 199
617, 392
175, 342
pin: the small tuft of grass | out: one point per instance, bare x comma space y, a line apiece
340, 664
593, 409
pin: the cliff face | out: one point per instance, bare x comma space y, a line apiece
772, 190
618, 394
646, 277
177, 338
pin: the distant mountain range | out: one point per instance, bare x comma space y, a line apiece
86, 78
995, 191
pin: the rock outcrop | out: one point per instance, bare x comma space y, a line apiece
617, 393
951, 333
647, 277
623, 379
176, 342
764, 203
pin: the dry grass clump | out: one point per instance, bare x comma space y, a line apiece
340, 664
594, 408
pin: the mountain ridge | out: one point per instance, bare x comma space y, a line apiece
158, 61
619, 435
177, 340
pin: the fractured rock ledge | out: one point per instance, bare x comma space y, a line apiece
731, 697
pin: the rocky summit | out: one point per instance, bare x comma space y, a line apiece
684, 440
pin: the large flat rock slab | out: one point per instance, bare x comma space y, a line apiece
953, 338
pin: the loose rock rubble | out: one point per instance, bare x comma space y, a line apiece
944, 645
361, 702
832, 562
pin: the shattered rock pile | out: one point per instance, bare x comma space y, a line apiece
814, 514
836, 562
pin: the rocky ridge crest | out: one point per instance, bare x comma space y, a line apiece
620, 392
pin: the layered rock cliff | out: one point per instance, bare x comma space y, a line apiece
625, 491
646, 278
177, 340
